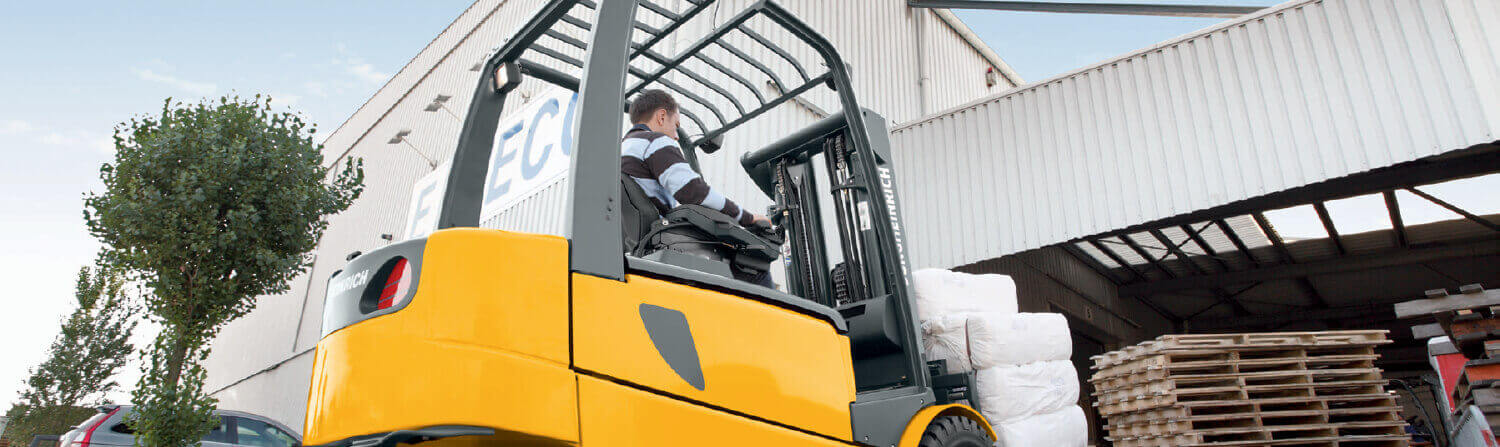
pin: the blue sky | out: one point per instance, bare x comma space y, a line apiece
72, 70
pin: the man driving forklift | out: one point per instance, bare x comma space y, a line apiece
651, 158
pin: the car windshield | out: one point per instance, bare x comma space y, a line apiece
220, 433
260, 434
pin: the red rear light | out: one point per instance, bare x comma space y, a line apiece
395, 285
88, 435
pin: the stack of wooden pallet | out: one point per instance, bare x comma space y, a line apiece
1291, 388
1471, 320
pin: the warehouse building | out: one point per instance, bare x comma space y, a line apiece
1137, 196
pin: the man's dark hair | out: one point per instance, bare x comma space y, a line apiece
648, 102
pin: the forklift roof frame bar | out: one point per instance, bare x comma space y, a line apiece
465, 183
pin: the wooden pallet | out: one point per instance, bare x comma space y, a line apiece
1328, 441
1369, 407
1296, 434
1285, 393
1237, 387
1206, 361
1242, 342
1285, 389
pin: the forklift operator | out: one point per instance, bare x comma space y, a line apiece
650, 155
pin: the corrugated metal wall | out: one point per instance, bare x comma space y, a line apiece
1308, 91
249, 365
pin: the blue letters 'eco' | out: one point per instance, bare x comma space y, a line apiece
532, 164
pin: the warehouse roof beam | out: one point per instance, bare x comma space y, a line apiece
1197, 238
1393, 207
1094, 264
1333, 233
1138, 9
1416, 254
1219, 293
1456, 209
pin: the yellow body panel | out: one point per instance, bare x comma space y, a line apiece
918, 424
484, 342
615, 415
757, 359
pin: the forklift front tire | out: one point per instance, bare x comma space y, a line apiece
955, 431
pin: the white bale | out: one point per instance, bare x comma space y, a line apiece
1062, 428
1017, 339
1010, 392
942, 292
946, 339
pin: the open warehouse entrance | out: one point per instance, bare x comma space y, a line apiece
1388, 236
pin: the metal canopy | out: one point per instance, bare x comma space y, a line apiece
718, 61
1230, 269
731, 69
1140, 9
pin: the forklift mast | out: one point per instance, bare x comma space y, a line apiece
869, 291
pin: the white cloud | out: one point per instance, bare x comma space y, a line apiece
12, 127
356, 66
285, 99
57, 139
105, 145
196, 88
364, 71
316, 88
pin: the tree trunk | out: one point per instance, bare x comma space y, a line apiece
176, 358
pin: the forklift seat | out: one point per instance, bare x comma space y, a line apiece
692, 236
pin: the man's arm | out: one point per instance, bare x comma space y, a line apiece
667, 164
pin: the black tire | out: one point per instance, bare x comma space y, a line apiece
955, 431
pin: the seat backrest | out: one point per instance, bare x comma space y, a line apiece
638, 212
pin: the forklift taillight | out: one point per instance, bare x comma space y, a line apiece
396, 284
507, 77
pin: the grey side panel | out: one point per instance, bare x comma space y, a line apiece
596, 246
879, 418
668, 329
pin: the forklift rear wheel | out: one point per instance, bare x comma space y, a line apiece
954, 431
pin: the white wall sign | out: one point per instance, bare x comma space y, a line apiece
532, 147
426, 201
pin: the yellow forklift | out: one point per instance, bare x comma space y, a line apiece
610, 337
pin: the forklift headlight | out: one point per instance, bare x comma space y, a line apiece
507, 77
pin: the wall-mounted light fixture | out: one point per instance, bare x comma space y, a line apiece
401, 137
441, 103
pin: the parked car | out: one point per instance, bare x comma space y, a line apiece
108, 429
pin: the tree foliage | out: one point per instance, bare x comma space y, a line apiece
92, 345
209, 205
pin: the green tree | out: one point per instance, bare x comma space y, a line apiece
209, 205
91, 346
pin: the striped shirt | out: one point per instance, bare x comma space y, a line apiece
655, 162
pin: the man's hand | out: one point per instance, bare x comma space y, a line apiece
760, 221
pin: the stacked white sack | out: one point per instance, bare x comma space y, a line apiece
942, 293
945, 299
1010, 392
1062, 428
945, 338
1018, 338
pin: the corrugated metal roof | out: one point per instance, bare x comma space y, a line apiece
1300, 93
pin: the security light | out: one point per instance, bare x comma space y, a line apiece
400, 136
437, 103
507, 77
